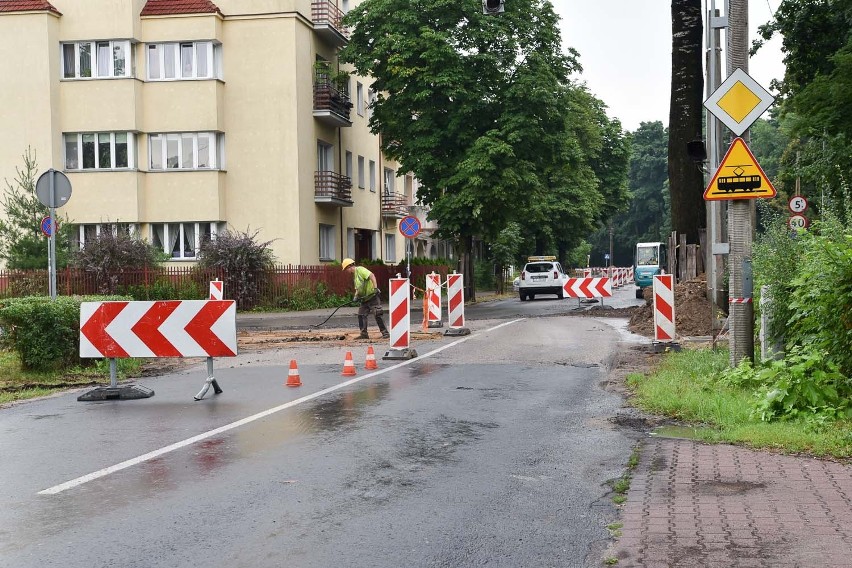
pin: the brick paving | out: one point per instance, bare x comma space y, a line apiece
692, 504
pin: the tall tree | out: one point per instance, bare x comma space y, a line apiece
479, 107
686, 180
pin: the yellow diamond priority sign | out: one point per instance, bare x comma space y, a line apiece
739, 101
739, 176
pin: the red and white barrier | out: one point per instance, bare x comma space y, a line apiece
664, 308
400, 313
217, 291
433, 295
455, 304
588, 288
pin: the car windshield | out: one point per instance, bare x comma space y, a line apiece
646, 256
539, 268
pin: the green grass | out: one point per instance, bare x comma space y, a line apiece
18, 384
686, 387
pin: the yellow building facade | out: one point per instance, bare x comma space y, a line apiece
177, 119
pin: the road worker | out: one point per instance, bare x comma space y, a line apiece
367, 292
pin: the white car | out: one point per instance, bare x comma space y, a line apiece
542, 275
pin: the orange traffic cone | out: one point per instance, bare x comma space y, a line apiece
348, 366
370, 363
293, 379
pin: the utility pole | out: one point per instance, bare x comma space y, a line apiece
740, 229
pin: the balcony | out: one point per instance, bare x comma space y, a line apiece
331, 105
394, 205
326, 17
333, 189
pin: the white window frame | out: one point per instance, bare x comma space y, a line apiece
348, 165
215, 150
325, 156
326, 242
373, 176
131, 151
131, 229
93, 45
182, 228
390, 247
359, 98
390, 183
210, 49
361, 172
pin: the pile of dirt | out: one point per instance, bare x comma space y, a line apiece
695, 315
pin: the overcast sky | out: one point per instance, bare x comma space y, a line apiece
625, 49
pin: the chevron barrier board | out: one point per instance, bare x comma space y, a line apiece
588, 288
170, 328
664, 308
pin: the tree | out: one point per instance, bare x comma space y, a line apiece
686, 180
481, 109
22, 244
242, 260
111, 254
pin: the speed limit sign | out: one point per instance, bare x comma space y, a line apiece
797, 204
798, 222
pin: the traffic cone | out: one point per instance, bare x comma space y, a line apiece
293, 379
370, 363
348, 366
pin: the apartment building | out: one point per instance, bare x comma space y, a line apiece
177, 119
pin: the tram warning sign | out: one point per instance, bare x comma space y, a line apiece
739, 176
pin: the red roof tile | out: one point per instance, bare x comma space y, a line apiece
170, 7
27, 6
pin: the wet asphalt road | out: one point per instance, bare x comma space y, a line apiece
490, 450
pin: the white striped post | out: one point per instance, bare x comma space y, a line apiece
400, 320
664, 308
433, 295
455, 304
217, 291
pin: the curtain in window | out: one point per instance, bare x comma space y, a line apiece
68, 61
119, 58
169, 55
202, 53
174, 236
189, 240
186, 50
159, 237
103, 59
85, 60
154, 61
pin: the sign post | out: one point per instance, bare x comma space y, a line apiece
53, 190
409, 227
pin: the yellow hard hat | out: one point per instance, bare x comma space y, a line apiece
347, 262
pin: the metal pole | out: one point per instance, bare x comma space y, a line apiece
51, 243
716, 252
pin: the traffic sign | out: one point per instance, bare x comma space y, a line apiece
739, 176
739, 101
798, 222
61, 188
47, 226
409, 226
797, 204
168, 328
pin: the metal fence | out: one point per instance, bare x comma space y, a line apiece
270, 289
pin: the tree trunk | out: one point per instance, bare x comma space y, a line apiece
686, 180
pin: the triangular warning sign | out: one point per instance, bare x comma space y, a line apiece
739, 176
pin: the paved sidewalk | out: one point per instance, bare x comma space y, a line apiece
692, 504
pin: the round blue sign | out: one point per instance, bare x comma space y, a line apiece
47, 226
409, 226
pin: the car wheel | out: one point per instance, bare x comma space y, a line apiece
523, 297
531, 296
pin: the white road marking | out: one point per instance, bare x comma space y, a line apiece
248, 420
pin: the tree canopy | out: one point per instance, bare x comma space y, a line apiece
484, 111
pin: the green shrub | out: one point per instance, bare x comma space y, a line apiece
44, 333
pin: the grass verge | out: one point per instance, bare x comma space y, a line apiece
18, 384
686, 387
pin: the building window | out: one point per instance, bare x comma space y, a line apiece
181, 240
185, 151
361, 172
90, 232
344, 6
359, 98
372, 176
390, 247
371, 98
390, 177
99, 151
96, 59
326, 242
349, 165
325, 157
181, 61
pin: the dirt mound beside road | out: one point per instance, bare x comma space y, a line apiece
694, 313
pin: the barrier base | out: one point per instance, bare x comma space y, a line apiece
663, 346
436, 324
457, 331
400, 354
125, 392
